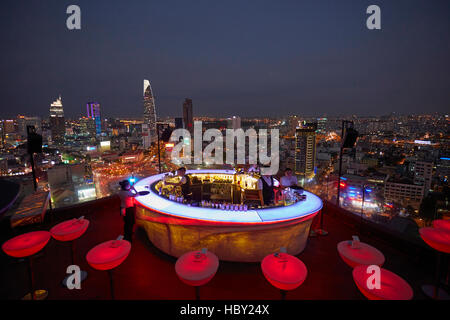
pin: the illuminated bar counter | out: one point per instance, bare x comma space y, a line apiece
232, 231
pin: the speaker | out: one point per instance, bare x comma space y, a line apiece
34, 141
350, 138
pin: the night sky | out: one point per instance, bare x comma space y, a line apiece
247, 58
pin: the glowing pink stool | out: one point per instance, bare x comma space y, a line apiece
442, 224
359, 254
284, 271
392, 287
109, 255
70, 231
25, 246
197, 268
439, 240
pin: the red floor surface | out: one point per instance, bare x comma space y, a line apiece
148, 273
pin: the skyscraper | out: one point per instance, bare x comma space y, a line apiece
305, 150
57, 122
321, 125
188, 117
149, 114
93, 112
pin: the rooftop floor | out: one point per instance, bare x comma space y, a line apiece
148, 273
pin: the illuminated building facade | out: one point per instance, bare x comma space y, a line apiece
57, 122
188, 116
305, 150
93, 112
149, 130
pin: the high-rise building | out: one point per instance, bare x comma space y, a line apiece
93, 112
188, 116
149, 112
57, 122
178, 123
305, 150
88, 126
423, 172
321, 125
24, 121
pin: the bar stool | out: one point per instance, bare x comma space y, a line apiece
196, 268
284, 271
392, 287
439, 240
109, 255
355, 253
71, 230
25, 246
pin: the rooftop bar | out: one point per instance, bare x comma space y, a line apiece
225, 215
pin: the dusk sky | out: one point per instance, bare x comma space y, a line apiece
246, 58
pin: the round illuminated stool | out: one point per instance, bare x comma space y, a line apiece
439, 240
70, 231
25, 246
392, 287
109, 255
363, 254
442, 224
196, 268
284, 271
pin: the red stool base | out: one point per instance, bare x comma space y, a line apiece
38, 295
428, 290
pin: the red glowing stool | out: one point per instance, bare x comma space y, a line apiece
108, 255
439, 240
70, 231
197, 268
360, 254
392, 287
284, 271
442, 224
25, 246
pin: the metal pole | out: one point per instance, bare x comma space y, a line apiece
197, 293
438, 276
340, 165
31, 279
33, 171
362, 207
159, 150
111, 285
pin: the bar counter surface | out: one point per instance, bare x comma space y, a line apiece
246, 236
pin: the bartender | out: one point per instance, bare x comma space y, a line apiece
184, 183
290, 181
127, 209
265, 183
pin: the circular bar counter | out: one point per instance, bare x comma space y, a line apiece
246, 236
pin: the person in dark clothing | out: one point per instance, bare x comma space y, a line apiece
184, 183
266, 184
127, 208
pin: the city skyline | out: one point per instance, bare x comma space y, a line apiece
234, 58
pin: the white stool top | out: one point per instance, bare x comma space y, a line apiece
196, 266
363, 255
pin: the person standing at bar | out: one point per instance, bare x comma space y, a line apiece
290, 181
127, 208
184, 183
265, 183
